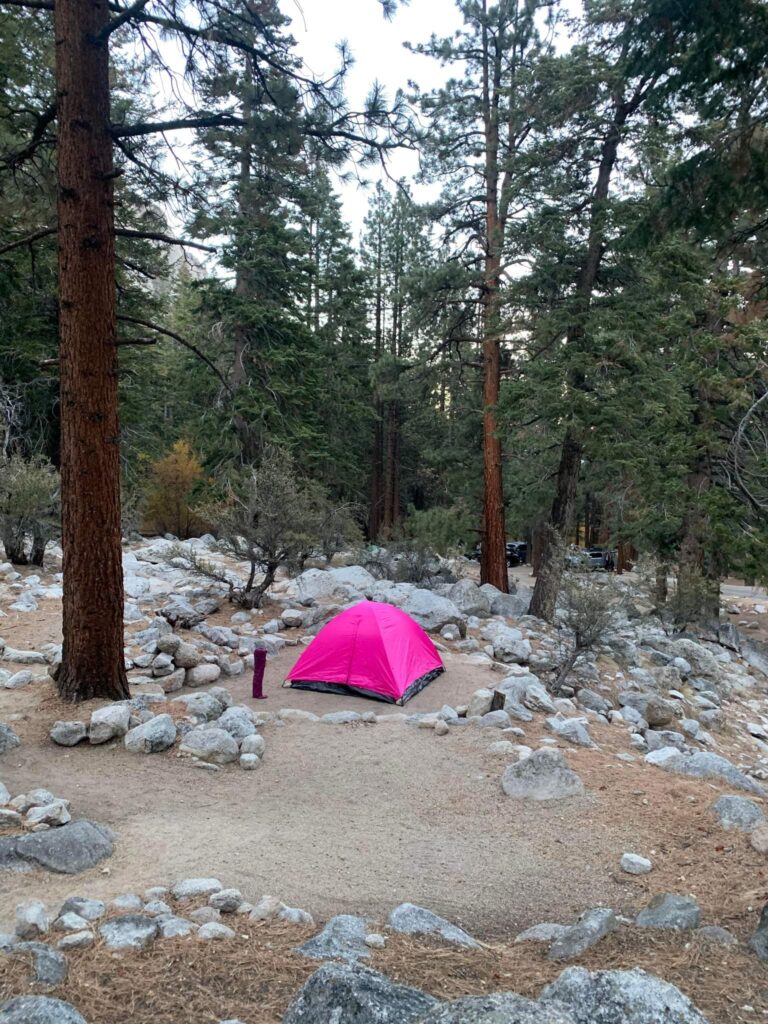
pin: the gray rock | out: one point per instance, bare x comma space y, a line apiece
759, 941
48, 966
705, 765
498, 1008
174, 927
128, 901
738, 812
209, 744
76, 940
254, 744
495, 720
469, 599
70, 922
89, 910
536, 698
39, 1010
173, 681
227, 901
9, 819
157, 734
352, 994
249, 762
432, 612
131, 931
8, 739
592, 926
18, 679
634, 864
237, 721
409, 919
572, 730
341, 717
450, 632
204, 706
214, 931
714, 933
480, 703
619, 997
109, 722
343, 938
55, 813
544, 775
191, 888
654, 709
670, 911
593, 701
68, 734
658, 739
31, 920
547, 931
67, 850
157, 907
204, 915
202, 675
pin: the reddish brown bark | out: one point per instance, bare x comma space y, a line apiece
92, 657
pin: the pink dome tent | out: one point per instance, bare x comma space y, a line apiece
370, 650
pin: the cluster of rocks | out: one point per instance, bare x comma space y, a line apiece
24, 592
192, 906
354, 994
37, 831
16, 678
211, 730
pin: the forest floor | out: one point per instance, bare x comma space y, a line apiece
359, 818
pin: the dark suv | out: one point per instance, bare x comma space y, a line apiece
517, 552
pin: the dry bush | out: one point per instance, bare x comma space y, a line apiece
29, 507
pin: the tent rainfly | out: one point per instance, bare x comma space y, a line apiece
371, 650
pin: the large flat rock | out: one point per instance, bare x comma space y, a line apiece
67, 850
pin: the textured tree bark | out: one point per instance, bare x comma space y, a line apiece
698, 593
92, 657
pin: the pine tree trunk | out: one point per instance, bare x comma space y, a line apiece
92, 662
698, 594
39, 544
661, 585
374, 513
391, 499
550, 574
493, 560
13, 542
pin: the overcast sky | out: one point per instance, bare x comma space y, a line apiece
377, 46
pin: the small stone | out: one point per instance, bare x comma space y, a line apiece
266, 908
76, 940
132, 931
175, 927
202, 675
713, 933
670, 911
410, 919
204, 915
8, 739
158, 734
758, 839
70, 922
128, 901
49, 967
31, 920
547, 931
155, 907
54, 814
634, 864
109, 722
295, 915
374, 940
213, 930
441, 727
210, 744
592, 926
19, 679
343, 938
759, 941
39, 1010
254, 744
9, 820
544, 775
249, 762
191, 888
738, 812
228, 901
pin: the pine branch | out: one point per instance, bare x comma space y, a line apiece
43, 119
126, 14
27, 240
159, 236
181, 341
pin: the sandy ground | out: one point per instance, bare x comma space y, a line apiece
360, 818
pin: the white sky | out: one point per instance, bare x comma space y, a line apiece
377, 46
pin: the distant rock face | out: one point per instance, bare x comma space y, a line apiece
544, 775
412, 920
351, 994
620, 997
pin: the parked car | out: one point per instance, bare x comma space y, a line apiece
517, 552
591, 559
